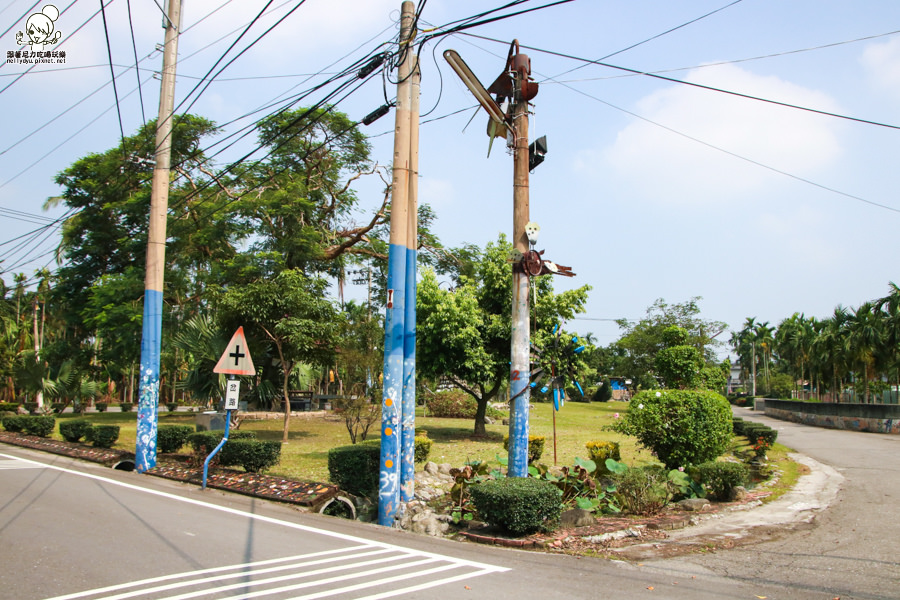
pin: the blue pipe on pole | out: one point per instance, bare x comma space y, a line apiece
217, 448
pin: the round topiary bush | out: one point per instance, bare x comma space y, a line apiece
518, 505
682, 427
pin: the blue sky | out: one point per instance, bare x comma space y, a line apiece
651, 188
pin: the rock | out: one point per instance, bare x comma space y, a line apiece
431, 468
444, 468
505, 421
488, 421
576, 517
418, 518
738, 494
693, 504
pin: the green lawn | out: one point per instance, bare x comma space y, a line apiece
306, 454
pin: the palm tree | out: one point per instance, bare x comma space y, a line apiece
865, 340
889, 306
745, 344
763, 337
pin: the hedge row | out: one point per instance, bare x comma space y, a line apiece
241, 449
754, 431
102, 436
41, 426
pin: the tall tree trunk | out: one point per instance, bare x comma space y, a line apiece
39, 395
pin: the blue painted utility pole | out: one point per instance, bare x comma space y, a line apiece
151, 342
395, 314
407, 439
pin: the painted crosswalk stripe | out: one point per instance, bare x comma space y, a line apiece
385, 557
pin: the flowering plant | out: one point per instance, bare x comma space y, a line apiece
761, 447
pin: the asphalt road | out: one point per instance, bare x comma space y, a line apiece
70, 529
850, 551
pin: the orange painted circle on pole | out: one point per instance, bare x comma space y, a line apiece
388, 463
388, 402
388, 431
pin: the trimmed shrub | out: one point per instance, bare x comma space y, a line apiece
720, 478
170, 438
14, 423
535, 447
126, 406
737, 426
57, 407
103, 436
600, 450
252, 454
171, 406
39, 425
518, 505
422, 448
204, 442
9, 406
754, 431
355, 468
456, 404
31, 407
101, 406
642, 490
74, 430
682, 427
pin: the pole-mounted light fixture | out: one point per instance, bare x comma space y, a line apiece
478, 90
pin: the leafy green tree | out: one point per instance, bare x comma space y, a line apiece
641, 341
290, 312
464, 335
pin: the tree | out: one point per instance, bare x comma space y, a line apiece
291, 313
641, 341
464, 335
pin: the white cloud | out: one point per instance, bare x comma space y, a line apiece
882, 64
661, 165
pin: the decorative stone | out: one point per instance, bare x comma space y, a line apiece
444, 468
488, 421
694, 504
431, 468
576, 517
738, 494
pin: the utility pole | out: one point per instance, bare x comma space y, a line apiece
151, 341
407, 440
520, 365
395, 313
514, 83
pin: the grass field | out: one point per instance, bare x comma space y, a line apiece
306, 454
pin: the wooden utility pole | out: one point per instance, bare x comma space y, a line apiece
148, 400
395, 313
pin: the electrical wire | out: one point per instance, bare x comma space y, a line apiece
657, 36
736, 155
137, 72
23, 15
112, 72
699, 85
727, 62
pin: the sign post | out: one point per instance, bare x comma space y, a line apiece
234, 361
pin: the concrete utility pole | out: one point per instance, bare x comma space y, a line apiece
151, 342
520, 364
407, 440
395, 314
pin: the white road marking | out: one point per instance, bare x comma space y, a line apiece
18, 464
362, 549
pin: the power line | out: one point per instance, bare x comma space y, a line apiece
112, 72
137, 72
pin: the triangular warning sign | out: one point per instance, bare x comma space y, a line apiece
236, 358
